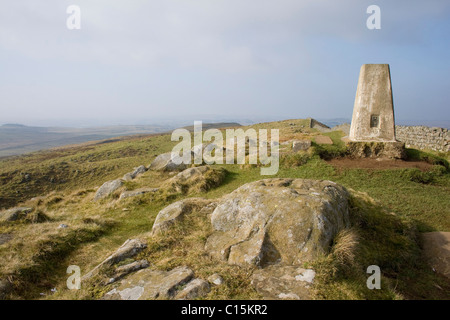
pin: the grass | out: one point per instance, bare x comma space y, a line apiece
389, 210
381, 239
85, 166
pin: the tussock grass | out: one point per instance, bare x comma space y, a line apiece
376, 238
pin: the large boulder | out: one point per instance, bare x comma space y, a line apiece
164, 162
108, 188
278, 220
177, 210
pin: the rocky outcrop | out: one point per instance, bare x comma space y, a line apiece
122, 271
15, 214
283, 282
177, 210
164, 162
137, 171
108, 188
278, 220
274, 224
128, 249
150, 284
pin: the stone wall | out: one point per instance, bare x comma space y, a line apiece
421, 137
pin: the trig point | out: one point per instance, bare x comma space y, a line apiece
372, 132
373, 113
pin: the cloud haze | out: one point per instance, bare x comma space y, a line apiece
140, 60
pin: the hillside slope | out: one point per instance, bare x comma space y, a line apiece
391, 204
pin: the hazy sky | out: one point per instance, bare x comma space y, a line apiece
136, 61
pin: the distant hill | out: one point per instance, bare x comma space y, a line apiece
16, 139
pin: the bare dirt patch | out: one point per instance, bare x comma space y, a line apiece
379, 164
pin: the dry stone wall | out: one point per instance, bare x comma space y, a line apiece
421, 137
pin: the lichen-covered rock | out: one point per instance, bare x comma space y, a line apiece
108, 188
137, 171
194, 289
164, 162
149, 284
128, 249
283, 282
122, 271
177, 210
14, 214
278, 220
301, 145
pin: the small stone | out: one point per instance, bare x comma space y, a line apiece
215, 279
63, 226
301, 145
308, 276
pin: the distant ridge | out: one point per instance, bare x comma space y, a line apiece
13, 125
17, 139
220, 125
